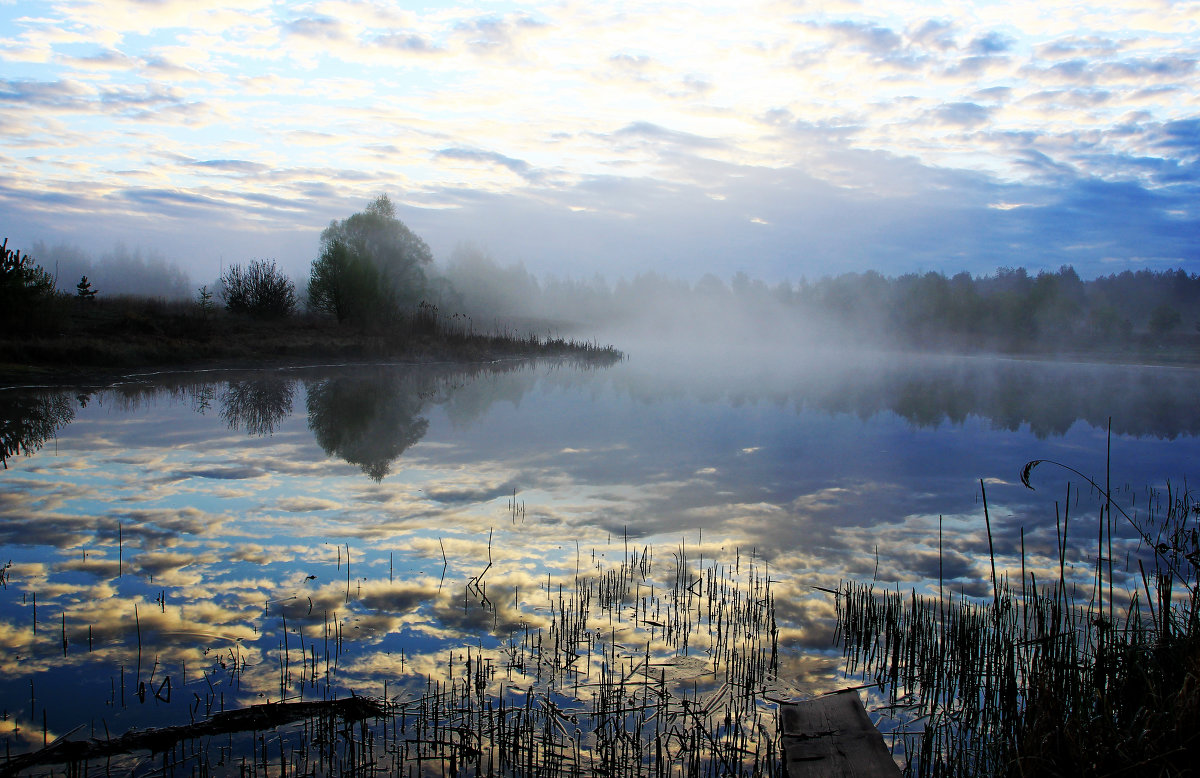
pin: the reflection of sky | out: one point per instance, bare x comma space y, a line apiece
216, 536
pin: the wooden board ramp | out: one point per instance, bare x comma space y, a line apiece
832, 736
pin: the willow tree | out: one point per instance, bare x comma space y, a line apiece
371, 266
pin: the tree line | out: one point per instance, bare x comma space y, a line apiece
1010, 309
372, 270
1013, 309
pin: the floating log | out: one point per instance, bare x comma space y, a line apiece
832, 736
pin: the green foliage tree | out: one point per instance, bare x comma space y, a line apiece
259, 289
371, 266
1107, 322
344, 282
1164, 318
25, 287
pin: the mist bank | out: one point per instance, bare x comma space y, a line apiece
121, 271
1009, 311
1131, 314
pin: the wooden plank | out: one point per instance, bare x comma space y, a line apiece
832, 736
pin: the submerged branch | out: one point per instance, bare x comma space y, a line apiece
255, 717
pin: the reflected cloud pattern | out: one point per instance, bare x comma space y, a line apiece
309, 533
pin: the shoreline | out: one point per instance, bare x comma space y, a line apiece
140, 358
229, 343
113, 344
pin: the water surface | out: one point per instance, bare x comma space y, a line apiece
221, 529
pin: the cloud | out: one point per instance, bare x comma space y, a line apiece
307, 504
991, 43
520, 167
161, 67
933, 33
180, 201
1182, 135
651, 131
321, 28
565, 109
234, 166
407, 42
470, 495
1074, 46
491, 34
962, 114
44, 94
109, 59
874, 38
1113, 72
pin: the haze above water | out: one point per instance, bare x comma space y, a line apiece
375, 497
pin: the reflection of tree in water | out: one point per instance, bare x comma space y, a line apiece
257, 404
27, 421
368, 420
1050, 398
1046, 397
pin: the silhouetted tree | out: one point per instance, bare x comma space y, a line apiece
84, 290
204, 300
488, 290
25, 287
1106, 322
343, 282
260, 289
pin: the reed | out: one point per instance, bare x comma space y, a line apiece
639, 668
1043, 678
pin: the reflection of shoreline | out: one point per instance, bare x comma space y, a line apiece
366, 415
1049, 397
369, 416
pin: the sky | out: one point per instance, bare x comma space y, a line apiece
785, 140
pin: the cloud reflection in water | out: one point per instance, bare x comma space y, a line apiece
361, 504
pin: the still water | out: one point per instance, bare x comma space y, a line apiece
180, 544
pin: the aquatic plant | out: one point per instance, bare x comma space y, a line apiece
634, 669
1046, 677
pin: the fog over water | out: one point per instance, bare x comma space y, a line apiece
209, 499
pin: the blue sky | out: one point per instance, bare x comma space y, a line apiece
783, 139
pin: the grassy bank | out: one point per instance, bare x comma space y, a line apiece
121, 334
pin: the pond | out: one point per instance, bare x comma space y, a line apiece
532, 566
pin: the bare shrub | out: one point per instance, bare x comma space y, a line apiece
259, 289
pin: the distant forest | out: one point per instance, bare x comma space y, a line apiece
1008, 310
